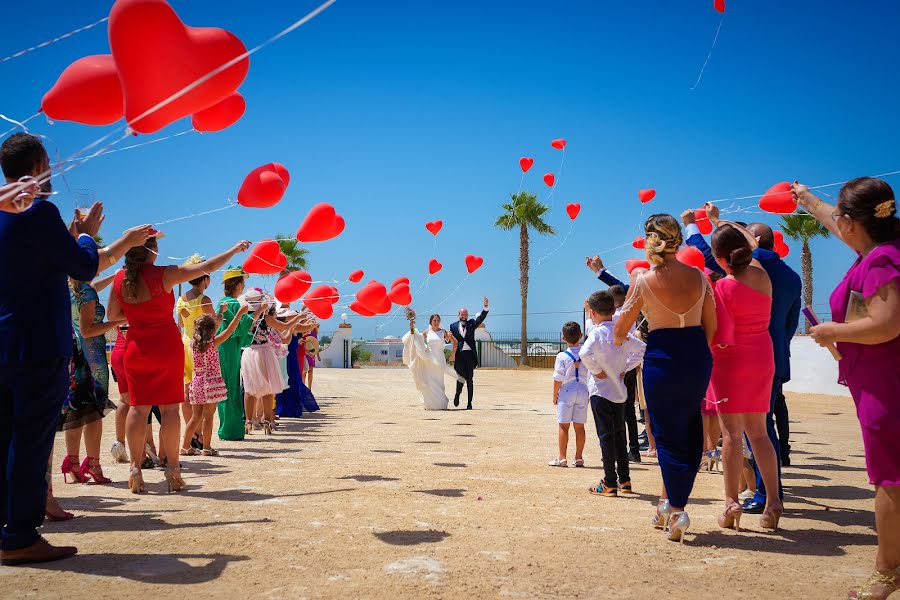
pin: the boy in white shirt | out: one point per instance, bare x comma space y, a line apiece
570, 395
608, 364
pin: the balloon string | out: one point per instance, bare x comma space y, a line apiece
199, 214
813, 187
556, 181
46, 175
17, 124
447, 297
558, 248
709, 56
133, 146
396, 313
54, 40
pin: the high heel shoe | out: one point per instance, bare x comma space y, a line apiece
91, 469
136, 481
715, 461
769, 519
879, 586
70, 467
266, 427
248, 427
661, 518
704, 462
678, 525
173, 479
731, 518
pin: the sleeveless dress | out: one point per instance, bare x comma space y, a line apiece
428, 365
231, 411
296, 397
872, 371
154, 353
743, 370
676, 372
310, 357
207, 386
194, 309
260, 373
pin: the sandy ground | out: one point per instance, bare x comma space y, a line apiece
375, 498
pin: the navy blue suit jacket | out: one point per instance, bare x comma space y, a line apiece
37, 254
610, 280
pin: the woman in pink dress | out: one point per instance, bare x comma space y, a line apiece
865, 307
743, 368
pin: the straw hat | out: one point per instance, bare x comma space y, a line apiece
233, 273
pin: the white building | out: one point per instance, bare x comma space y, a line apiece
388, 349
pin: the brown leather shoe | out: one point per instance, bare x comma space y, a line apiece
38, 552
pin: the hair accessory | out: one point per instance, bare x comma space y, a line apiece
195, 259
885, 209
233, 273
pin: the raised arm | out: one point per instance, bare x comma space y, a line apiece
595, 264
111, 254
101, 283
176, 274
483, 315
76, 258
634, 301
226, 333
114, 310
815, 206
694, 238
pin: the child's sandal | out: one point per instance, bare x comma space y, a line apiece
558, 462
579, 462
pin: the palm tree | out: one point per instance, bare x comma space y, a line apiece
524, 211
801, 226
296, 255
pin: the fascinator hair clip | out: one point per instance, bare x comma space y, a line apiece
885, 209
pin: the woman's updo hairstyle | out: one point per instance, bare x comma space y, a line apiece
662, 236
135, 259
732, 245
432, 318
870, 202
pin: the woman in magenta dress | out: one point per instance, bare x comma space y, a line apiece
743, 368
154, 353
865, 308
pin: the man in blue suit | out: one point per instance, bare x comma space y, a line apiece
786, 288
37, 254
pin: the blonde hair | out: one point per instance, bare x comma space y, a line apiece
663, 236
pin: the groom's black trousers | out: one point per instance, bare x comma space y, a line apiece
465, 368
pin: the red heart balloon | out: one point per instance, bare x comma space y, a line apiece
374, 296
434, 266
266, 258
321, 223
526, 163
321, 301
88, 91
558, 143
573, 208
158, 56
702, 221
359, 309
264, 186
356, 276
691, 257
222, 115
646, 196
719, 5
549, 179
400, 294
635, 263
400, 281
780, 247
292, 286
434, 226
778, 199
473, 263
638, 243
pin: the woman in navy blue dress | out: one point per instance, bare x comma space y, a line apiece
296, 397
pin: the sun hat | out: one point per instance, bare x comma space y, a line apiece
233, 273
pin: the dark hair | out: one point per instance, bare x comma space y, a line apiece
602, 303
729, 243
742, 224
21, 154
618, 294
231, 285
865, 198
198, 280
135, 259
431, 318
765, 235
571, 332
204, 332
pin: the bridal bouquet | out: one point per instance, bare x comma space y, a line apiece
411, 317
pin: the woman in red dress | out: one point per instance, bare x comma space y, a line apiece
154, 353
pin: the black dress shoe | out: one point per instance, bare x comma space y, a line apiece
752, 507
785, 461
469, 406
634, 456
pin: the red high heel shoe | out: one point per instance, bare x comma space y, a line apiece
90, 469
70, 467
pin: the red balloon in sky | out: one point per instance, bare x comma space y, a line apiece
719, 5
264, 186
321, 300
359, 309
636, 263
638, 243
702, 221
356, 276
158, 56
266, 258
646, 196
549, 179
526, 163
778, 199
691, 257
780, 247
573, 208
473, 263
321, 223
88, 91
220, 116
558, 143
434, 227
374, 296
400, 294
292, 286
434, 266
400, 281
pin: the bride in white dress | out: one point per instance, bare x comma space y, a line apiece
423, 352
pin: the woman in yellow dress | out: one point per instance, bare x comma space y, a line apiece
191, 305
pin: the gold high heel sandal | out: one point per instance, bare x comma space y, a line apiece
173, 479
879, 586
731, 518
136, 481
266, 427
678, 525
661, 518
769, 519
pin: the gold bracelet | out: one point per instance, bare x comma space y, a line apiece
818, 204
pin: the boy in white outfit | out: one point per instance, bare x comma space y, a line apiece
570, 395
608, 364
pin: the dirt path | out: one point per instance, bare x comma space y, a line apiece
375, 498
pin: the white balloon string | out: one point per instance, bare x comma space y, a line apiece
447, 297
558, 248
54, 40
556, 180
396, 313
133, 146
17, 124
199, 214
709, 56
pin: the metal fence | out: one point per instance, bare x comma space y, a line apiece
504, 349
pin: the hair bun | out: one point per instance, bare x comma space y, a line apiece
739, 258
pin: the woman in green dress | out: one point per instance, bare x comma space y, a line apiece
231, 411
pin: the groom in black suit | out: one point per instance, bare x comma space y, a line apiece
466, 357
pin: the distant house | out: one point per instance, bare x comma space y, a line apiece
388, 349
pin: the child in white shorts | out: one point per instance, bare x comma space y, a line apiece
570, 395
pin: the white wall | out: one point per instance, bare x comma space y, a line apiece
813, 369
332, 357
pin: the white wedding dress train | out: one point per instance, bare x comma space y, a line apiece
428, 366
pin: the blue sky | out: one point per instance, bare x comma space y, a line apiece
403, 112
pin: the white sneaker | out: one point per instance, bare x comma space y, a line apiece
119, 454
